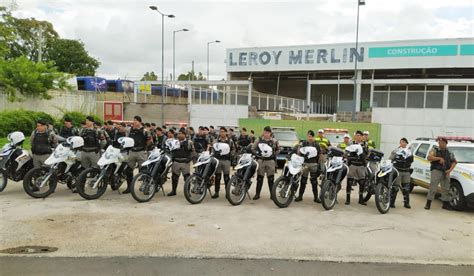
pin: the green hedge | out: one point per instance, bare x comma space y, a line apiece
21, 120
25, 120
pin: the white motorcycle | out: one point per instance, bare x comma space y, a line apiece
336, 171
63, 166
196, 186
240, 182
92, 182
285, 187
385, 180
15, 162
152, 176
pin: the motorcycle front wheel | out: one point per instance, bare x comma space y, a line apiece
3, 180
34, 179
282, 193
235, 190
382, 198
194, 190
328, 194
143, 187
86, 184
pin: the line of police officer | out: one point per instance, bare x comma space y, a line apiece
189, 145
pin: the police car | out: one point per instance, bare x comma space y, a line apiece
461, 192
287, 139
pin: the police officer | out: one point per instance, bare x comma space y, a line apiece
347, 141
443, 163
169, 136
403, 166
182, 158
224, 160
312, 167
92, 141
266, 164
120, 131
137, 155
68, 129
42, 141
357, 171
212, 133
324, 144
201, 141
252, 136
370, 142
160, 138
243, 141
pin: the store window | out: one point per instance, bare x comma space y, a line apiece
434, 100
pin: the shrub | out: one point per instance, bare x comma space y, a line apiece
21, 120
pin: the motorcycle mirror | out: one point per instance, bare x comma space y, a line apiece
248, 149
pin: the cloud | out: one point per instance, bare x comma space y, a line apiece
126, 35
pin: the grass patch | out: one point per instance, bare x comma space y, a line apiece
26, 144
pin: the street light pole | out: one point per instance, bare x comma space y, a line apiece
155, 8
354, 94
174, 58
215, 41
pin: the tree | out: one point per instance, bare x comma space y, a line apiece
6, 33
29, 79
70, 56
191, 76
149, 76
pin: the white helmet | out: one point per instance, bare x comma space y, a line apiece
75, 142
172, 144
355, 148
337, 161
405, 153
126, 142
221, 148
386, 165
265, 150
16, 137
309, 152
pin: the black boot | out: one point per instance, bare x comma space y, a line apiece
393, 198
361, 192
226, 180
447, 206
174, 184
259, 187
314, 185
348, 190
270, 180
428, 204
129, 174
217, 186
303, 182
406, 196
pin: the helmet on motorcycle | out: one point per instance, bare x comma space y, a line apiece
355, 149
309, 152
386, 165
172, 144
126, 142
221, 148
75, 142
265, 150
16, 137
403, 153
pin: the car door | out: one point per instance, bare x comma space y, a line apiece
422, 165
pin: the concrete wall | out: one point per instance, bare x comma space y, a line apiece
61, 100
152, 112
217, 115
413, 123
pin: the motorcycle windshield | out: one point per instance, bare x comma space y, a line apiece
111, 155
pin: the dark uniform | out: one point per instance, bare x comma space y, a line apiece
160, 141
243, 142
137, 156
266, 165
90, 152
356, 173
312, 169
224, 164
67, 132
117, 134
403, 180
201, 142
42, 144
182, 158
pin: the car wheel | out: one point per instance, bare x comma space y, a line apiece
456, 196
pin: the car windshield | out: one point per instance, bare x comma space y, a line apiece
335, 138
463, 154
285, 136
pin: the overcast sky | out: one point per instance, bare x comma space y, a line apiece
125, 35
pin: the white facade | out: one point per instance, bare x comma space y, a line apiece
433, 53
216, 114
